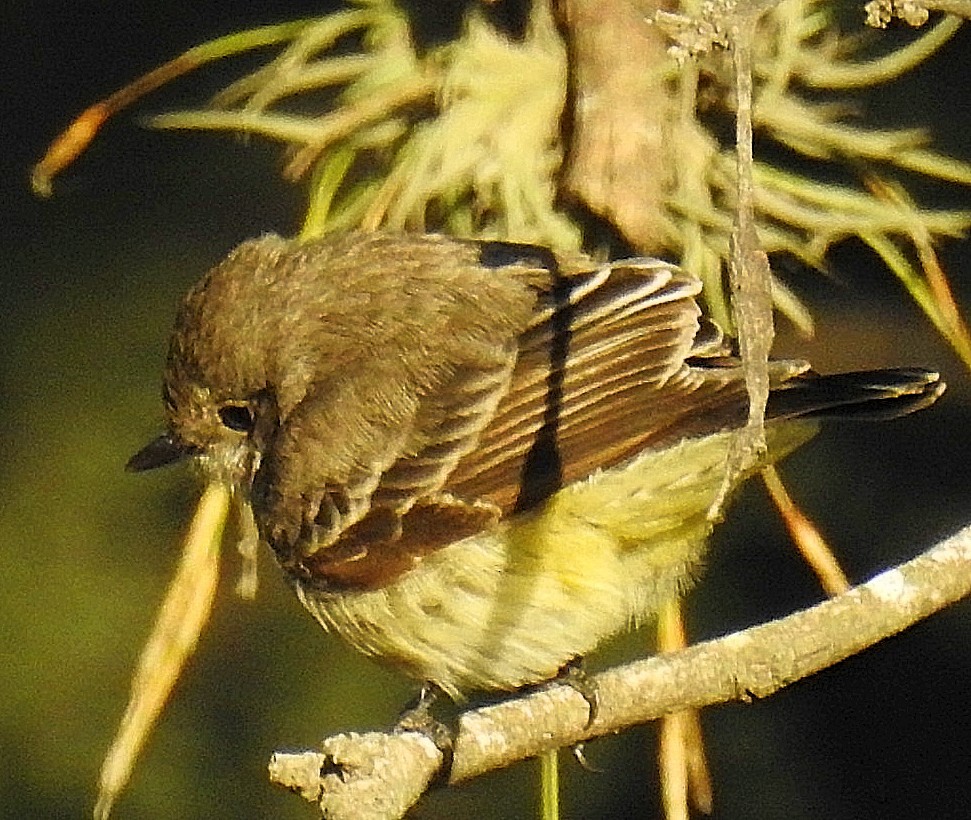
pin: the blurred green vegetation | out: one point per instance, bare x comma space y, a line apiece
91, 280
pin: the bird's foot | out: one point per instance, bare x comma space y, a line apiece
417, 717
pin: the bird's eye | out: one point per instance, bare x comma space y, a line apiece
238, 417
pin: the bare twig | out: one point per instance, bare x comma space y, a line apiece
750, 275
616, 160
751, 664
913, 12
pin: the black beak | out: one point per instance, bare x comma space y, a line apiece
164, 450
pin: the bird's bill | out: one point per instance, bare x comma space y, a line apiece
166, 449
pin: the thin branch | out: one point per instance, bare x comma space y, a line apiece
913, 12
749, 273
393, 769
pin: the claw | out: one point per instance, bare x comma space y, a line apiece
574, 676
417, 717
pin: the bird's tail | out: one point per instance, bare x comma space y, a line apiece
865, 395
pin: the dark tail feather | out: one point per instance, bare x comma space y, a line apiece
867, 395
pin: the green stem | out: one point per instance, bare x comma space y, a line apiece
550, 784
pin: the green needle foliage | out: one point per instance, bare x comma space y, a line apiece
468, 137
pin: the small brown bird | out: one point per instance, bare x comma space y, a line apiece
474, 459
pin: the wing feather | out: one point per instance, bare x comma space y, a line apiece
600, 371
630, 328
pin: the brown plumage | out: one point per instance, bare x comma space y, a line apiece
385, 402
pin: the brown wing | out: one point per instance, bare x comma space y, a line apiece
599, 372
612, 361
367, 534
602, 373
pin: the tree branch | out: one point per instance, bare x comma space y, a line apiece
913, 12
379, 775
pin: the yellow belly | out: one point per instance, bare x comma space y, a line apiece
511, 606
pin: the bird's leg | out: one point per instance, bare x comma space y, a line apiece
417, 717
572, 674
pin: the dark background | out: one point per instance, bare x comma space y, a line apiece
90, 283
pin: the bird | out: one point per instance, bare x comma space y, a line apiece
475, 460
